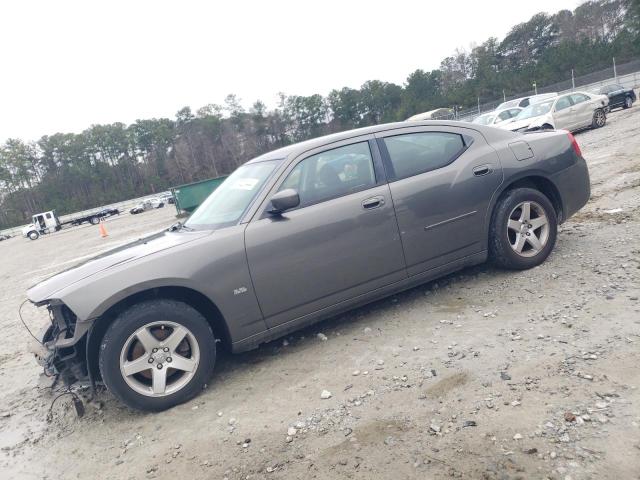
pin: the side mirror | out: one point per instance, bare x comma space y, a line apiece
284, 200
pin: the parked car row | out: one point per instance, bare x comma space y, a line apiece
571, 111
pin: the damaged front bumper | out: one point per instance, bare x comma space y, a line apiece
62, 348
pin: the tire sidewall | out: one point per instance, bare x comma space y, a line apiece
595, 121
500, 248
33, 235
136, 317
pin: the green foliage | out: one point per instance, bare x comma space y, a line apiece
110, 163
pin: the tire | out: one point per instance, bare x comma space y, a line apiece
546, 126
628, 102
33, 235
94, 220
504, 240
599, 119
121, 347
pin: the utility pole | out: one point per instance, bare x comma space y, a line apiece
478, 104
615, 74
535, 87
504, 96
573, 81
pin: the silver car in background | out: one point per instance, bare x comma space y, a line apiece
300, 234
523, 102
571, 111
496, 117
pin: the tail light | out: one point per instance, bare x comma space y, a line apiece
574, 144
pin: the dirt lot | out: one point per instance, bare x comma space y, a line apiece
483, 374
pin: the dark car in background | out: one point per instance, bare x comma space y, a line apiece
303, 233
619, 97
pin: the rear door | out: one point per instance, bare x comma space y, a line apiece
441, 181
341, 242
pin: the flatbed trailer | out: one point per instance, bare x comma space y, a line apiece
48, 222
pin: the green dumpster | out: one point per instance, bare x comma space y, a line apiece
190, 196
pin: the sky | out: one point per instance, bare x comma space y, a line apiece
65, 65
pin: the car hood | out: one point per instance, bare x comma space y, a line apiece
142, 247
527, 122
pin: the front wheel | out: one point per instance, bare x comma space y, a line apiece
627, 102
523, 229
33, 235
157, 354
599, 119
94, 220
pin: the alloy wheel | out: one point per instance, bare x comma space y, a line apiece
159, 359
528, 229
600, 118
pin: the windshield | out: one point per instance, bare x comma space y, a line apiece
485, 119
535, 110
230, 200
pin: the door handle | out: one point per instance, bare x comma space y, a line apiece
481, 170
373, 202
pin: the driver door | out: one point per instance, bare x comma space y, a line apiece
340, 243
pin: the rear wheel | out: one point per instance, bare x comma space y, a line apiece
523, 229
599, 119
627, 102
157, 354
94, 220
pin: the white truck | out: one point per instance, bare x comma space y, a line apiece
48, 222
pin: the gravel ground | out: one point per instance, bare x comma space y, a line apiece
482, 374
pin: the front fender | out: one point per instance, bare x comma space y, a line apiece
214, 266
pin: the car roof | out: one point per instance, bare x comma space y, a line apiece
297, 148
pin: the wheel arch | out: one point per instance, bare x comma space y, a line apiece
536, 181
203, 304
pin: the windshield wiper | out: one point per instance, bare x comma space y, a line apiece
179, 226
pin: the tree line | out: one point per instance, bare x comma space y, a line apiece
109, 163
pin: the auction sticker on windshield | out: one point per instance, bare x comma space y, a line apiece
246, 183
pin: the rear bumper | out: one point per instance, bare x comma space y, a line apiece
574, 186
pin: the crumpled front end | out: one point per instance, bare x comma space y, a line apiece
62, 348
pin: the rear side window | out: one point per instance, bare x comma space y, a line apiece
416, 153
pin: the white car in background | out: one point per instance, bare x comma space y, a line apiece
497, 116
523, 102
571, 111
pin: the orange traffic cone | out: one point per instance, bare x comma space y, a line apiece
103, 230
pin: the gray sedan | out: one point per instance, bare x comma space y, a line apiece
300, 234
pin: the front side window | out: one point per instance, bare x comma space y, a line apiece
416, 153
506, 115
332, 174
563, 102
226, 205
